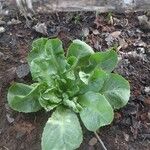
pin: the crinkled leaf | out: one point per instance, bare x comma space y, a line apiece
71, 105
84, 77
97, 111
49, 99
38, 49
104, 60
55, 51
116, 90
47, 105
51, 95
62, 131
47, 60
70, 75
42, 70
24, 98
71, 87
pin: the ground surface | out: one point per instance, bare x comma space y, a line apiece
131, 127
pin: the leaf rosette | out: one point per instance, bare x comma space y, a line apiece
81, 83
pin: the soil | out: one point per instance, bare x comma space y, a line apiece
130, 129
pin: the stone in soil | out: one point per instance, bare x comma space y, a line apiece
2, 29
22, 71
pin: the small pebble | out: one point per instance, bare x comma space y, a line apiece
93, 141
13, 22
9, 119
147, 89
1, 55
0, 131
116, 34
140, 50
85, 32
126, 137
41, 28
2, 22
148, 115
96, 32
2, 29
22, 71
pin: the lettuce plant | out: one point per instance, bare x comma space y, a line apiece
78, 84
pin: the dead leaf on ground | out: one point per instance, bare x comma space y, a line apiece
147, 102
41, 28
123, 44
116, 34
126, 136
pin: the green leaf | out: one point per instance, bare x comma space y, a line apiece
47, 105
55, 51
94, 82
97, 111
116, 90
72, 61
38, 49
47, 60
79, 49
78, 55
62, 131
70, 75
84, 77
51, 95
71, 104
104, 60
42, 70
71, 85
49, 99
24, 98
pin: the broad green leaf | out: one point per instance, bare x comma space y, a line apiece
62, 131
79, 49
95, 81
104, 60
116, 90
96, 112
24, 98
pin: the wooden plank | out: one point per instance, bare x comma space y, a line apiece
96, 5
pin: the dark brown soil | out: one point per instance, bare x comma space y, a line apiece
131, 127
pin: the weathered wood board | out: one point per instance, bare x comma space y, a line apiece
96, 5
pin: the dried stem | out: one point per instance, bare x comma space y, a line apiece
101, 142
